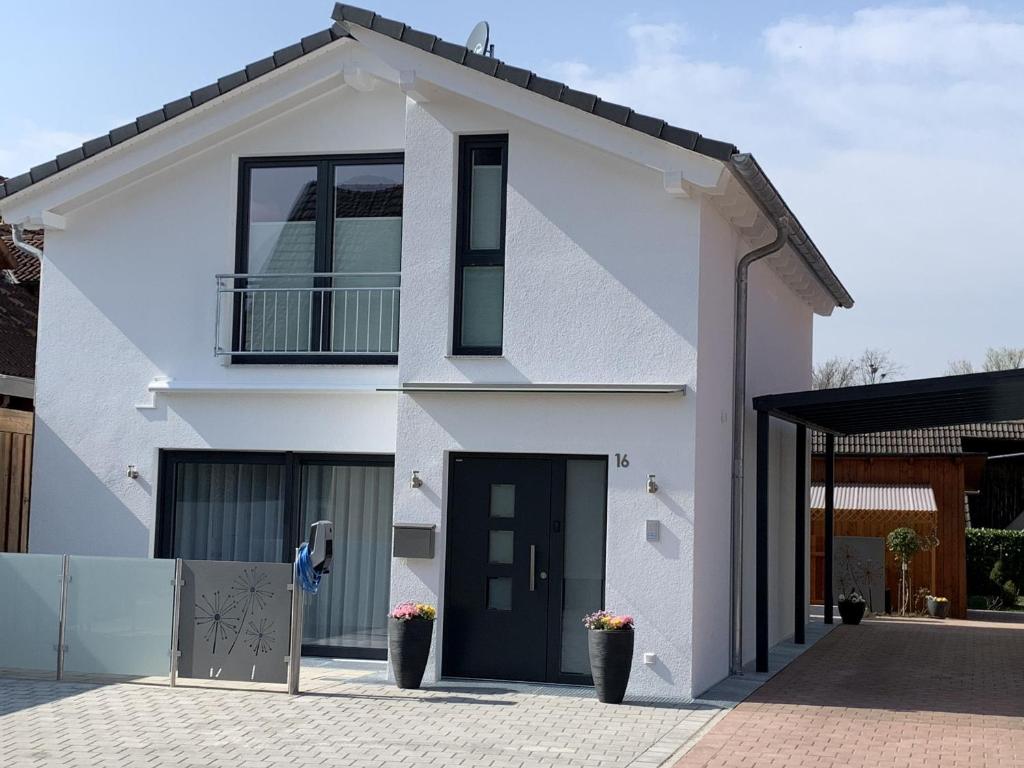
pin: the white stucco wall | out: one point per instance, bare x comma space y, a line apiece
592, 295
779, 348
713, 452
128, 295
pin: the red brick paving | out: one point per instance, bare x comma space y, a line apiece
886, 693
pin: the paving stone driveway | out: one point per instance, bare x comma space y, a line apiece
346, 717
886, 693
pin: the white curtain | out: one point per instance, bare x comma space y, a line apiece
351, 607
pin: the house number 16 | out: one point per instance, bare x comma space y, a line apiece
621, 460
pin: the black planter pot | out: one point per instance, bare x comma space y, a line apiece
611, 656
851, 613
408, 648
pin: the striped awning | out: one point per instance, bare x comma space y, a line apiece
877, 498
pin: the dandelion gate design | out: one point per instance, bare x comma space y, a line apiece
222, 618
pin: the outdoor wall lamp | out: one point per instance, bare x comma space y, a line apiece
132, 472
652, 487
415, 481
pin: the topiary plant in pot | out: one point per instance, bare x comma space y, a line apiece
410, 629
610, 642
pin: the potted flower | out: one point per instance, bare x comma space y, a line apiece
938, 607
610, 641
410, 629
851, 607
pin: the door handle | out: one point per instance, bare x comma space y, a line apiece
533, 567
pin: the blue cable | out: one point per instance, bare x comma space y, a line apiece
309, 579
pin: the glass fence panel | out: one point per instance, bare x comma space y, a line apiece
29, 611
118, 619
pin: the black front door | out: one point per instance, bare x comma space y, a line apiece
498, 574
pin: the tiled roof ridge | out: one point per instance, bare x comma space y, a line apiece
934, 441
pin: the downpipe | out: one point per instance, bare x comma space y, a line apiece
16, 239
739, 413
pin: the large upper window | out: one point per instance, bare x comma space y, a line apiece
319, 260
480, 254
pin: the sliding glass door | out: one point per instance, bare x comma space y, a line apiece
258, 506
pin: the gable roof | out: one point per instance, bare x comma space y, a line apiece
745, 168
172, 110
936, 441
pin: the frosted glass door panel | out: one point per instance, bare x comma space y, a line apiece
119, 616
29, 611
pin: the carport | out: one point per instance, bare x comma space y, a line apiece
921, 403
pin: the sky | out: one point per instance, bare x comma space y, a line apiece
892, 130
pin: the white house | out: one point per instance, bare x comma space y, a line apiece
452, 294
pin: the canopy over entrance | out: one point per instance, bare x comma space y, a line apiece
916, 404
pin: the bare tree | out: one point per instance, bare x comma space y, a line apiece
876, 365
834, 372
959, 367
996, 359
1003, 358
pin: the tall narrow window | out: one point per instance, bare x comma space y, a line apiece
319, 261
480, 256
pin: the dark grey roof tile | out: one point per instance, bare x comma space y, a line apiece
40, 172
644, 123
150, 120
69, 158
579, 99
422, 40
287, 54
311, 43
550, 88
176, 107
720, 150
205, 94
123, 133
515, 75
389, 27
680, 136
486, 64
450, 51
92, 146
232, 81
338, 31
17, 183
356, 15
614, 112
259, 68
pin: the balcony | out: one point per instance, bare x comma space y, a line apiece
308, 317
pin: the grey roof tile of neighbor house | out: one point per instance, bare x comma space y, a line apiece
746, 167
935, 441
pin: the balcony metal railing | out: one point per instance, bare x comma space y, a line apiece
308, 314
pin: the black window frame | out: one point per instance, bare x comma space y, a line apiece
466, 256
322, 256
293, 534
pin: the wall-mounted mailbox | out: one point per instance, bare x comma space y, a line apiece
653, 530
414, 540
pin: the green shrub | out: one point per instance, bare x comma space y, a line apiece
977, 602
993, 554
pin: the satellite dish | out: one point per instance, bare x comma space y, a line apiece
479, 38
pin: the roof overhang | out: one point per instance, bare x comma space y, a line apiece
877, 498
915, 404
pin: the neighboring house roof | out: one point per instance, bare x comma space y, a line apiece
745, 168
942, 441
18, 317
877, 498
24, 266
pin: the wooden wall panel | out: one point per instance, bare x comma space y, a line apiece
15, 479
945, 474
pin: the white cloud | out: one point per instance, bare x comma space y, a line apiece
29, 145
894, 135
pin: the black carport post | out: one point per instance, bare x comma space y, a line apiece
761, 548
800, 546
830, 508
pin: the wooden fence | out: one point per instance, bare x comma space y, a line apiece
15, 478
